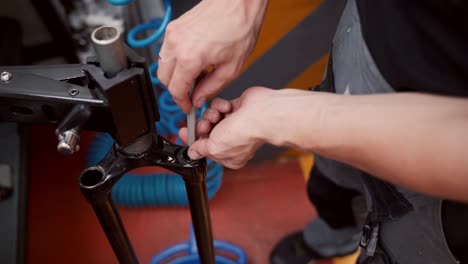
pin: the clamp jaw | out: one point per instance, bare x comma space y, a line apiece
111, 93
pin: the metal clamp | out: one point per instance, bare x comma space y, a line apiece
369, 238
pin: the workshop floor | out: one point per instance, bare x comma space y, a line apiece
255, 207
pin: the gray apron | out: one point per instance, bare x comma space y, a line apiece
403, 226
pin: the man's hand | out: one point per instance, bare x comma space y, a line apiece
232, 131
215, 33
417, 141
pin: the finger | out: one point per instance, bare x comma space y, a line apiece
235, 104
203, 128
211, 84
199, 149
233, 164
166, 65
221, 105
212, 115
182, 80
183, 135
165, 71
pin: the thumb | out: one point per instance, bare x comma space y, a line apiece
199, 149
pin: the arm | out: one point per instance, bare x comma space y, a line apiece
415, 140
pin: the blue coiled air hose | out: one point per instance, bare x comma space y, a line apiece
119, 2
187, 253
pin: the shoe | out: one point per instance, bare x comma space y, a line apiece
293, 250
325, 244
329, 242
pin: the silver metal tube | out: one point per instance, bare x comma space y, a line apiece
191, 125
191, 122
109, 47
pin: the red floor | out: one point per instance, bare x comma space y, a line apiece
255, 207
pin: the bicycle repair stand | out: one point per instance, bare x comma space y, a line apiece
111, 93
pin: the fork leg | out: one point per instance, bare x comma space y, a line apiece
198, 201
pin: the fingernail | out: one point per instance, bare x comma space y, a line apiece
193, 155
200, 102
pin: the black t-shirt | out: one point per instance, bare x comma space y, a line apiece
422, 45
419, 45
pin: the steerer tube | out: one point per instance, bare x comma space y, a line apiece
109, 46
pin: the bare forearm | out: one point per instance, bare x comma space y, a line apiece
415, 140
255, 9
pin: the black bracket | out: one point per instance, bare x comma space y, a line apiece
80, 96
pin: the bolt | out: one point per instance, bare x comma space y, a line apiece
68, 142
74, 92
6, 76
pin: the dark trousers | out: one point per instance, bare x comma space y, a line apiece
333, 202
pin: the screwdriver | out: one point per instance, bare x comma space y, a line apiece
191, 122
192, 115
